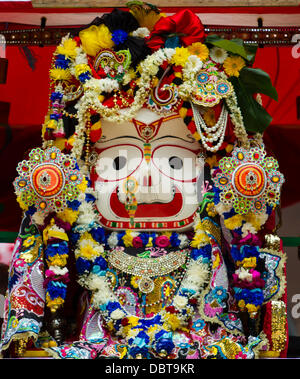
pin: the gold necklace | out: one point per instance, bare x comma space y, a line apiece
146, 268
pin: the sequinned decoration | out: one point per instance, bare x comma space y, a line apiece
209, 90
47, 180
249, 180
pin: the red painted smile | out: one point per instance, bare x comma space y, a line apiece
155, 210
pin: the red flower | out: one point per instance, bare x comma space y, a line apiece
124, 321
185, 24
162, 241
171, 309
137, 242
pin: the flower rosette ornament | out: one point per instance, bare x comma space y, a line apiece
249, 180
47, 180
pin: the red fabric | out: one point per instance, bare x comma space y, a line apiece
21, 6
185, 22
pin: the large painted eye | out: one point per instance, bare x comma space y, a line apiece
176, 163
118, 162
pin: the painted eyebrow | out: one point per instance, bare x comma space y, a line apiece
169, 136
156, 139
112, 139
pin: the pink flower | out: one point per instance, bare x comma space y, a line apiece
211, 312
162, 241
240, 355
137, 242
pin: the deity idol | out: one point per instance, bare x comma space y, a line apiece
149, 211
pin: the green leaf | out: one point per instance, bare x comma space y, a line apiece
256, 80
256, 118
234, 46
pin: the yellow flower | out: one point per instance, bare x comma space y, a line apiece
133, 321
181, 56
134, 281
252, 308
81, 69
88, 251
200, 50
199, 238
241, 304
249, 262
60, 74
58, 260
127, 238
68, 215
68, 48
172, 321
233, 65
233, 222
53, 304
51, 124
95, 38
83, 185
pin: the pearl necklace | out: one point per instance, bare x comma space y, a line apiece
215, 133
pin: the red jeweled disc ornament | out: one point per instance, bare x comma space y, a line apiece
249, 180
47, 180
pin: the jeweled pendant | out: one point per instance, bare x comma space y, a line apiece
146, 285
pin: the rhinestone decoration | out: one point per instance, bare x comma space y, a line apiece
209, 91
249, 180
47, 180
147, 268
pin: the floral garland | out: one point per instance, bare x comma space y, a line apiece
130, 238
72, 61
142, 335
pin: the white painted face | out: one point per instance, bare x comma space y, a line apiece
146, 174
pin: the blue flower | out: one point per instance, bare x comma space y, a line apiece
217, 191
56, 96
112, 306
229, 214
101, 262
166, 344
99, 234
84, 77
204, 252
55, 116
175, 241
89, 198
56, 289
61, 62
119, 36
31, 210
74, 205
83, 265
136, 350
60, 248
254, 296
249, 251
74, 237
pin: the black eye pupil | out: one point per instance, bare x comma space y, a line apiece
119, 163
176, 163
